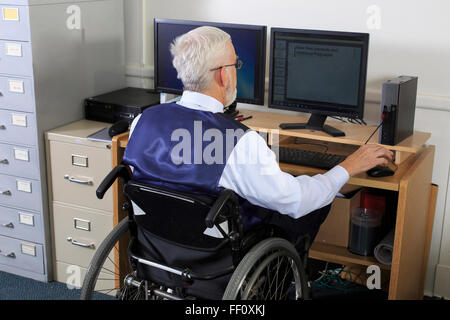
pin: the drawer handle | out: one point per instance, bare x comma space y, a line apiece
8, 255
4, 161
72, 179
8, 225
84, 245
6, 193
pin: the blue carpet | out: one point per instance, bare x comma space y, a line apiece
13, 287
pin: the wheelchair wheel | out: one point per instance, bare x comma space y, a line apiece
269, 271
102, 278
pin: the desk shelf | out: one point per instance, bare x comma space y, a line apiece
354, 134
341, 255
387, 183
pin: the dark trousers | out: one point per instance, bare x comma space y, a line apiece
296, 228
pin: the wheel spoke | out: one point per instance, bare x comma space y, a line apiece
110, 272
101, 290
115, 265
282, 282
270, 287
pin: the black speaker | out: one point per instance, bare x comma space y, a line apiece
398, 108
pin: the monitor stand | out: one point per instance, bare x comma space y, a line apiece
231, 110
315, 122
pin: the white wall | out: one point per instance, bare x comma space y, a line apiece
409, 38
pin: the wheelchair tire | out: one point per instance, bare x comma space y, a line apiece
99, 258
251, 276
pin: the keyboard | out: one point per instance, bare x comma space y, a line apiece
310, 158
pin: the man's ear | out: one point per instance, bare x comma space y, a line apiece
224, 78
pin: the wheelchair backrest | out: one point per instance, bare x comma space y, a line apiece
174, 216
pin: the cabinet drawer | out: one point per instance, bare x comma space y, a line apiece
77, 171
18, 127
15, 58
16, 94
20, 224
19, 161
20, 192
78, 232
73, 275
21, 254
14, 22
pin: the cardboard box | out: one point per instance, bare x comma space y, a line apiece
335, 229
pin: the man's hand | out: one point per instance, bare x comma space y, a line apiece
365, 158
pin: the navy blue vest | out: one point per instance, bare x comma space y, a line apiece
177, 148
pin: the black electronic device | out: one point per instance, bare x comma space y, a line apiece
380, 171
123, 104
320, 72
398, 108
250, 45
309, 158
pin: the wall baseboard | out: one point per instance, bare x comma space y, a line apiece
424, 101
442, 281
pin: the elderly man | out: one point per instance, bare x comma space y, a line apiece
206, 63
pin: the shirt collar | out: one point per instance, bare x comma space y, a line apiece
200, 101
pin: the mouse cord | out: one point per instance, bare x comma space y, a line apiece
396, 166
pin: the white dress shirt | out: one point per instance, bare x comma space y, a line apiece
253, 173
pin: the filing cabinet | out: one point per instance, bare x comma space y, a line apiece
53, 55
79, 220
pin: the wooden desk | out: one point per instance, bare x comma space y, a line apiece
412, 182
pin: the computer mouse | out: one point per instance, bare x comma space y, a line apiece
380, 171
118, 128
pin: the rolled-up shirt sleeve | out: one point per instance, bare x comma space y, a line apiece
252, 171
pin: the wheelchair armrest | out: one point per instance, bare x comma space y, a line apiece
120, 171
218, 205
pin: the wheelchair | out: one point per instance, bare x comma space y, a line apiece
171, 255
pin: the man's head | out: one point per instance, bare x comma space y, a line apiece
196, 53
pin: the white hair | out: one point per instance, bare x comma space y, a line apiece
195, 53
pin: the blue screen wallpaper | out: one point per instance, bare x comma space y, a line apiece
245, 44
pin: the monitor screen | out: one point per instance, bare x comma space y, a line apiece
318, 71
250, 45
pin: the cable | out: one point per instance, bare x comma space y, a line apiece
375, 131
322, 272
338, 118
357, 121
333, 279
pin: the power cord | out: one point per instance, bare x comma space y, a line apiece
333, 279
357, 121
350, 120
338, 118
374, 131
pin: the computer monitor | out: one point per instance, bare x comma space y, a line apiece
320, 72
250, 45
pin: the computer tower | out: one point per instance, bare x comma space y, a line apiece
398, 107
